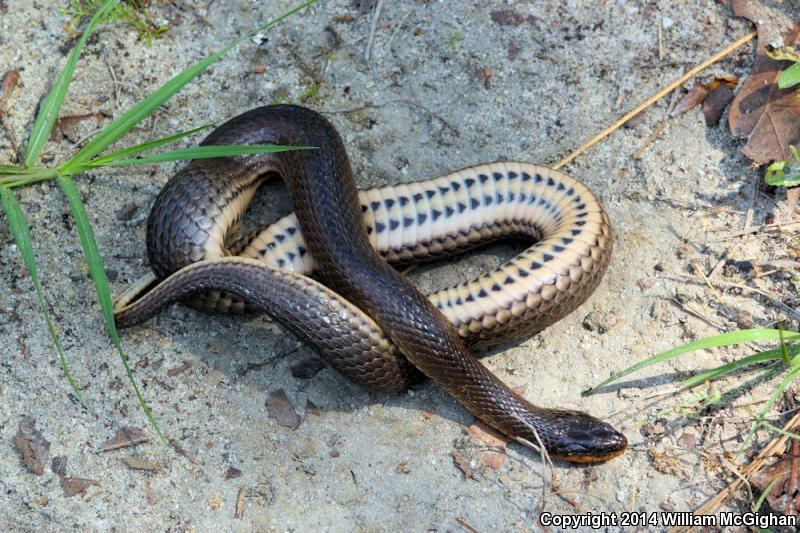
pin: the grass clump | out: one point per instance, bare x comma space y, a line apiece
94, 155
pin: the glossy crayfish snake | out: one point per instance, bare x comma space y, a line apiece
364, 317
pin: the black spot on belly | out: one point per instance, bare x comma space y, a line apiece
487, 200
512, 175
470, 182
430, 194
557, 248
448, 211
422, 217
474, 203
403, 201
418, 197
566, 240
508, 281
496, 287
389, 202
302, 251
547, 257
483, 178
379, 227
394, 224
482, 294
291, 230
364, 208
497, 176
522, 272
538, 178
281, 263
470, 298
436, 214
375, 205
280, 237
526, 176
536, 265
461, 207
560, 186
444, 190
550, 181
455, 185
291, 256
407, 222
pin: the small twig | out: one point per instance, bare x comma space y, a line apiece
239, 510
463, 523
650, 101
646, 144
766, 228
397, 29
376, 15
698, 279
455, 131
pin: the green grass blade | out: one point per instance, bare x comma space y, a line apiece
203, 152
776, 394
733, 366
144, 108
11, 169
780, 431
133, 150
52, 104
98, 273
760, 501
22, 235
726, 339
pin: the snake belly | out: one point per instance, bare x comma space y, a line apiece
365, 318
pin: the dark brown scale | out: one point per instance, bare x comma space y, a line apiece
324, 195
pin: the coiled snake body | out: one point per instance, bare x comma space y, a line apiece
359, 312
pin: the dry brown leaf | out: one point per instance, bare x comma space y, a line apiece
716, 102
76, 485
179, 369
33, 446
64, 125
495, 455
10, 81
783, 496
281, 409
692, 99
124, 438
137, 463
767, 117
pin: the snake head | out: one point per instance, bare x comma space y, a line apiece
586, 439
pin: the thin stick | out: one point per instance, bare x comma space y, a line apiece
721, 283
650, 101
376, 15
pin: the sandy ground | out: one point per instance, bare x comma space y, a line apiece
421, 106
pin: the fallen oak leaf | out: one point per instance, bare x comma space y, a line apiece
768, 117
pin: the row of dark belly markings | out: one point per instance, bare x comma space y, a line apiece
379, 227
520, 197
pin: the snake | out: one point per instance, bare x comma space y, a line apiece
328, 270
